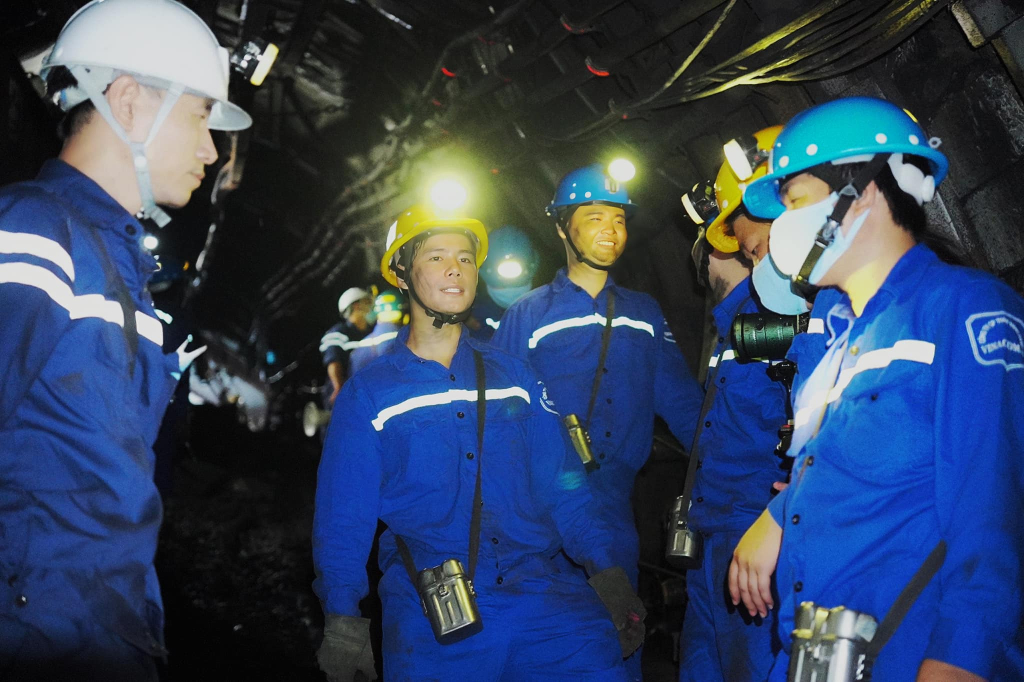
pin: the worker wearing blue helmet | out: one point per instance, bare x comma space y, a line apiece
508, 274
903, 498
605, 352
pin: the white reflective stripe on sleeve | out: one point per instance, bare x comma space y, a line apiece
33, 245
149, 327
815, 325
375, 340
910, 350
446, 398
78, 307
596, 318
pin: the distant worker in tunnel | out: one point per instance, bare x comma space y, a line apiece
390, 312
736, 465
83, 381
356, 309
476, 503
905, 506
508, 274
605, 352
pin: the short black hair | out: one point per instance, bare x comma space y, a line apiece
905, 210
58, 79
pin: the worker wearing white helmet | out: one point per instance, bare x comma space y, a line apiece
85, 380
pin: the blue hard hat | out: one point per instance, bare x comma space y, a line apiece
509, 245
842, 129
589, 185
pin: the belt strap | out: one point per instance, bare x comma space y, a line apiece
606, 337
474, 520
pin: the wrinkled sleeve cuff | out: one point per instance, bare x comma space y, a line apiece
777, 507
966, 643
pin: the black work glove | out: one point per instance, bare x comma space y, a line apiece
346, 650
626, 609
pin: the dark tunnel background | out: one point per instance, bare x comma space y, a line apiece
372, 98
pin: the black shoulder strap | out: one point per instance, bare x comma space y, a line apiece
694, 455
606, 337
931, 565
474, 520
130, 329
481, 417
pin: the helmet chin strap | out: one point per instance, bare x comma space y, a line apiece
440, 318
579, 256
90, 85
565, 215
847, 195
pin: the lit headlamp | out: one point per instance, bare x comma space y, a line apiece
700, 203
744, 156
254, 59
510, 269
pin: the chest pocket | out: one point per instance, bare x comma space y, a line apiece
884, 415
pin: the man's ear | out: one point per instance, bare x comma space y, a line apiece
560, 230
124, 96
866, 200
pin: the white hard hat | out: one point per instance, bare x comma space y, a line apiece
157, 39
351, 296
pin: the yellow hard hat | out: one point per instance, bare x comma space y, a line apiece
417, 220
729, 192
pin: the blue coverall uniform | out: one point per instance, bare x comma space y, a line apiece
336, 346
921, 441
557, 328
406, 453
373, 345
733, 485
79, 512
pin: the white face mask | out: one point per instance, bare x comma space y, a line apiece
793, 233
776, 290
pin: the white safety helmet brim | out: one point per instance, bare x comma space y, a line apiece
154, 39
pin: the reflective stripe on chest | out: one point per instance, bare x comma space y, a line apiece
446, 398
595, 318
910, 350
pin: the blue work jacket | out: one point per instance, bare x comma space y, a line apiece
807, 348
80, 511
737, 462
558, 328
402, 447
338, 343
373, 345
920, 441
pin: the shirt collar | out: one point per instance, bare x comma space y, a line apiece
562, 282
83, 193
402, 356
904, 276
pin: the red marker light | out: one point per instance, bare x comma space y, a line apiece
597, 70
445, 71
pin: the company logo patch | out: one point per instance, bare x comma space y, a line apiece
997, 338
545, 401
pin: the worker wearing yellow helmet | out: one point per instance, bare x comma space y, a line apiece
733, 464
408, 445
